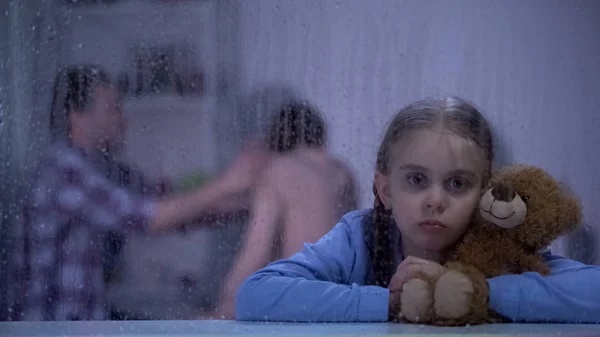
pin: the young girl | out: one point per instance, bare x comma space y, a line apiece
435, 157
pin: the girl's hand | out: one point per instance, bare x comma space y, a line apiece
410, 268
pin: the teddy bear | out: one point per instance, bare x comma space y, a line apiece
523, 209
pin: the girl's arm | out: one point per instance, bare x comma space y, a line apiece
313, 285
258, 246
569, 295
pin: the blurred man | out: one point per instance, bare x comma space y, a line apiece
72, 204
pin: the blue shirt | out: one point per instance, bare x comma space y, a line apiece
327, 282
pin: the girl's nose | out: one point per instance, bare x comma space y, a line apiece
436, 200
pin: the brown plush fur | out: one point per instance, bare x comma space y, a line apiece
461, 295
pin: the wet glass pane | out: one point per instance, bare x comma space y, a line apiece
156, 154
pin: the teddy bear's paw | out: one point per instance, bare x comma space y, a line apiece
416, 301
453, 293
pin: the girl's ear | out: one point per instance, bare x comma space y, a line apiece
382, 185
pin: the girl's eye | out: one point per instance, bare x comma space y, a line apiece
458, 184
416, 179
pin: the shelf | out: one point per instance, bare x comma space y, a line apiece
164, 103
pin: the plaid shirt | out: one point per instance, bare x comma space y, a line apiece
58, 257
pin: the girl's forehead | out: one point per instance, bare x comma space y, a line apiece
437, 150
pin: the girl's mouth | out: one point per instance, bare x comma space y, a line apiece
432, 225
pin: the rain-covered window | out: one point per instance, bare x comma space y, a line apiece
155, 154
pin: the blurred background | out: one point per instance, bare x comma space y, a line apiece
200, 76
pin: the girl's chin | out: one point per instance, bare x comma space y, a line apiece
433, 245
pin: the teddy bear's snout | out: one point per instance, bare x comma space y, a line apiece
503, 192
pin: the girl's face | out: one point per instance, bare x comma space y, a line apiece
432, 187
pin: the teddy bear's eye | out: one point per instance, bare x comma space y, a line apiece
525, 198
